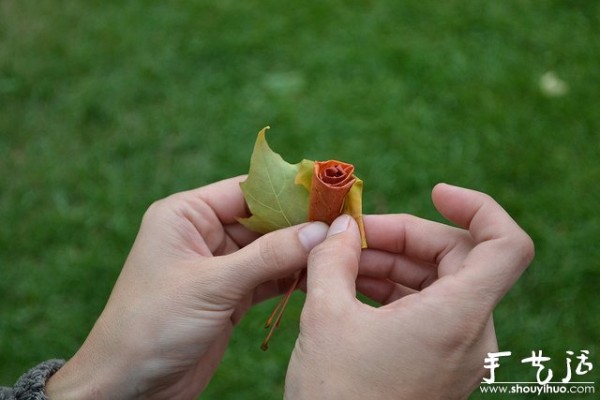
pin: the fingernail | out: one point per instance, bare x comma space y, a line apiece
312, 234
340, 224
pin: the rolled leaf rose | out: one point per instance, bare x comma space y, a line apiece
333, 190
331, 182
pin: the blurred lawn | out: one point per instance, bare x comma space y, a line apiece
107, 105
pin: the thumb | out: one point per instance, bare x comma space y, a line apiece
274, 255
333, 265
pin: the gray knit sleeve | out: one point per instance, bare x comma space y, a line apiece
31, 385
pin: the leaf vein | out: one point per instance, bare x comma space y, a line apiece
276, 194
262, 203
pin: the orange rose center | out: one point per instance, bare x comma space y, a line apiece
334, 172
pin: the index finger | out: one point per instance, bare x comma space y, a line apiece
225, 198
226, 202
415, 237
502, 251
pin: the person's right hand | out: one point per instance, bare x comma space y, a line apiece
439, 286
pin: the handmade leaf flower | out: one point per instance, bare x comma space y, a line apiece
333, 190
279, 194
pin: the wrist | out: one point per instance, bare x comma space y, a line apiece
96, 371
87, 379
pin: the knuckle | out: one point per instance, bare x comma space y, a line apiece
155, 211
521, 246
180, 205
526, 247
162, 207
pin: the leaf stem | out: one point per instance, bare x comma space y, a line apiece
278, 311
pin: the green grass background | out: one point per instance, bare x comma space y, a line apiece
106, 106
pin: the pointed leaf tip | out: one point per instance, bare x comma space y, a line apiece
274, 199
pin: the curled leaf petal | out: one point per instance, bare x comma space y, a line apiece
353, 206
305, 174
331, 181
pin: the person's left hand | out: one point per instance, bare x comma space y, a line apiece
192, 273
